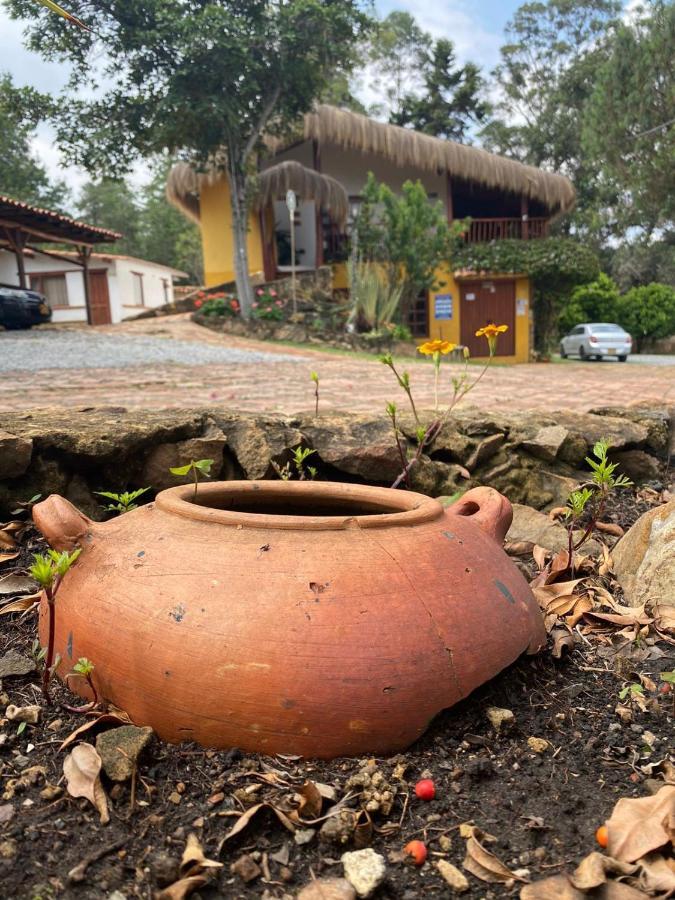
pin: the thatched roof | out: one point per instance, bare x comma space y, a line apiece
184, 184
404, 147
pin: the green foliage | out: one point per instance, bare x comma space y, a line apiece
668, 677
375, 301
201, 465
300, 456
217, 304
643, 261
603, 470
22, 176
577, 502
111, 203
83, 667
648, 312
630, 690
450, 102
123, 502
268, 305
395, 59
401, 332
409, 235
597, 301
628, 121
52, 565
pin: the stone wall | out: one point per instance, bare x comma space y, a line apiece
533, 458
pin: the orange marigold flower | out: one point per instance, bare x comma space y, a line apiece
491, 330
431, 347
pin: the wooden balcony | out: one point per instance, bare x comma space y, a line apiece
485, 230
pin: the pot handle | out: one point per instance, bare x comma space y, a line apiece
487, 508
60, 522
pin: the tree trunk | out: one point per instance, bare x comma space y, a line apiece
237, 183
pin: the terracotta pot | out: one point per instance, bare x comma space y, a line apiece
291, 617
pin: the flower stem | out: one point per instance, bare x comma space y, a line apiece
49, 658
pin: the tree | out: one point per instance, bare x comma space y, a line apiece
648, 313
642, 261
396, 56
201, 79
597, 301
409, 235
629, 121
546, 75
450, 102
110, 203
21, 175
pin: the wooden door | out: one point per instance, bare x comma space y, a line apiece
99, 298
483, 302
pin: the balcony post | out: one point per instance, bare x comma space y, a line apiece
524, 217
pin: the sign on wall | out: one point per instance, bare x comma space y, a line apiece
521, 306
443, 306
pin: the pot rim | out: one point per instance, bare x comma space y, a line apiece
408, 508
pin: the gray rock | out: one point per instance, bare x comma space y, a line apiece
357, 444
485, 450
637, 465
536, 527
658, 422
13, 663
328, 889
547, 442
209, 445
621, 433
21, 762
644, 558
15, 454
120, 748
256, 441
365, 870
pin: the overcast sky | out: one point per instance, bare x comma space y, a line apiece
475, 27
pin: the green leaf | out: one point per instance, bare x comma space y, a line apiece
204, 465
182, 470
21, 728
668, 677
42, 570
83, 667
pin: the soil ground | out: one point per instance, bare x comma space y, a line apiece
542, 808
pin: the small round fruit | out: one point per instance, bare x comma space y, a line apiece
601, 836
665, 688
417, 852
425, 789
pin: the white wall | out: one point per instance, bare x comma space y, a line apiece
122, 304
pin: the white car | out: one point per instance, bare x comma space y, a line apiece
597, 340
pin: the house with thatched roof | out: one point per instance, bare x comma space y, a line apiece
327, 163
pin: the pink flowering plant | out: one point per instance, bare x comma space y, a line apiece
268, 305
217, 304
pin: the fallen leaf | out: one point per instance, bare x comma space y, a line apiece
563, 639
6, 557
193, 857
556, 888
118, 718
311, 801
592, 871
23, 604
540, 554
558, 512
610, 528
246, 817
327, 889
483, 864
519, 548
664, 618
17, 584
639, 826
82, 769
7, 542
182, 888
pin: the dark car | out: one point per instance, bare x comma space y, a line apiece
21, 308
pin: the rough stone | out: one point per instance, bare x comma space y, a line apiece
531, 486
435, 478
357, 445
620, 432
500, 719
537, 528
547, 442
209, 445
120, 748
328, 889
28, 714
637, 465
256, 441
80, 495
15, 454
484, 451
13, 663
644, 558
365, 870
656, 421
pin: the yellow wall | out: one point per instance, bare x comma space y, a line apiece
449, 329
217, 238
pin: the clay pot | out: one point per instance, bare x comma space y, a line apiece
291, 617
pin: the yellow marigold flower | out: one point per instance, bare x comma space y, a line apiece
431, 347
491, 330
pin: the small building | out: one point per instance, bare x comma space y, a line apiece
502, 197
81, 285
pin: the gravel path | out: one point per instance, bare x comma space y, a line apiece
33, 351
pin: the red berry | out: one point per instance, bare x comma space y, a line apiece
425, 789
665, 688
417, 852
602, 836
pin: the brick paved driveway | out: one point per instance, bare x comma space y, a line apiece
280, 382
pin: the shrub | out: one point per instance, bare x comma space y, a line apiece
220, 304
267, 305
648, 312
597, 301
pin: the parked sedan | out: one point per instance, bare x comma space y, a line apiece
21, 308
597, 340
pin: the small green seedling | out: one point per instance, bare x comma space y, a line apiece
315, 378
24, 506
300, 455
630, 690
123, 502
198, 466
48, 570
83, 669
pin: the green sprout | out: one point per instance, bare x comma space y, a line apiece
315, 378
630, 690
197, 467
123, 502
300, 456
83, 668
48, 570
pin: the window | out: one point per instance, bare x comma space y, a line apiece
137, 286
53, 287
418, 316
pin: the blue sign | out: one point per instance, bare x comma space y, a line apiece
443, 306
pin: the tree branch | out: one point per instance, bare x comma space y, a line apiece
262, 121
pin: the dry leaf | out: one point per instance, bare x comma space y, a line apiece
610, 528
17, 584
112, 719
665, 618
483, 864
193, 857
558, 512
656, 873
183, 888
82, 769
311, 801
638, 826
6, 557
7, 542
563, 639
607, 564
23, 604
556, 888
540, 554
593, 870
519, 548
246, 817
